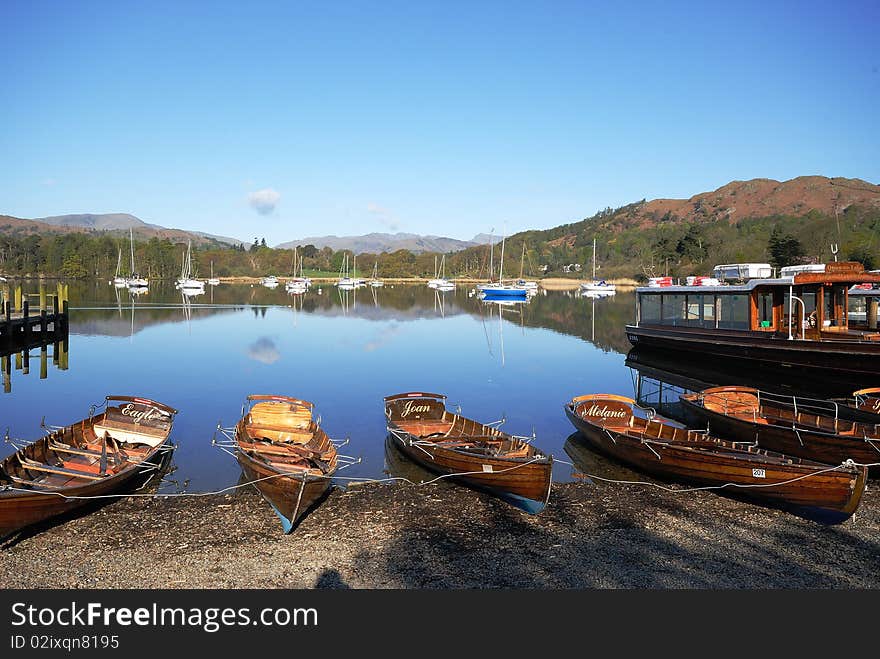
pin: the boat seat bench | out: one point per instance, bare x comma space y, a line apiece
124, 433
32, 465
294, 433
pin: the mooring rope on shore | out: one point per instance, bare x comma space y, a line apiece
354, 479
684, 490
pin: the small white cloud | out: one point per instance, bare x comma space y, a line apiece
384, 215
264, 201
264, 351
383, 337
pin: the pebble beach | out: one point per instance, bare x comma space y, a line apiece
443, 536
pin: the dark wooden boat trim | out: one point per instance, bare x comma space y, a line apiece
72, 467
743, 414
286, 454
657, 446
465, 450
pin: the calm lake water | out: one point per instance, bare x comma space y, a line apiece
342, 350
345, 351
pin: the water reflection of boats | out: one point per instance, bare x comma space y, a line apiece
502, 304
590, 463
471, 452
652, 444
400, 466
94, 457
696, 374
286, 454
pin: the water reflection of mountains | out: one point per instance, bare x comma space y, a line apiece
103, 310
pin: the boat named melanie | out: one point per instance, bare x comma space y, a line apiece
660, 447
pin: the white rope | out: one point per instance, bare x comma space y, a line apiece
358, 479
847, 463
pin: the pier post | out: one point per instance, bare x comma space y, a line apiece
44, 362
25, 312
26, 361
65, 355
43, 323
42, 296
872, 312
56, 348
5, 364
8, 311
17, 299
18, 361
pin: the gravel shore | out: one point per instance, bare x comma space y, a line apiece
447, 536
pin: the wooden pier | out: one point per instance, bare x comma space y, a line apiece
24, 326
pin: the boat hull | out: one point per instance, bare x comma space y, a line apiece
860, 359
291, 497
524, 478
503, 292
830, 496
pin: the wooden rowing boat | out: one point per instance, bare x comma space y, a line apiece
471, 452
97, 456
285, 454
617, 427
749, 415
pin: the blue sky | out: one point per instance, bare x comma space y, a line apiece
293, 119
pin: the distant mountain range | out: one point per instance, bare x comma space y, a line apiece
114, 223
735, 201
376, 243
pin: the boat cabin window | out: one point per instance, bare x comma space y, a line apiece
834, 306
701, 311
809, 298
649, 308
734, 312
674, 312
765, 309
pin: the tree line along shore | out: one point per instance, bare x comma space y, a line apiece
667, 246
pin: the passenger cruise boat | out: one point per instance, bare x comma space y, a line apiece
800, 320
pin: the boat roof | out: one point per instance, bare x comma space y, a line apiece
834, 273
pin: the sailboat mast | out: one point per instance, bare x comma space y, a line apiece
594, 259
491, 256
501, 263
131, 238
522, 263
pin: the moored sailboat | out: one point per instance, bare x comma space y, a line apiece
186, 282
135, 281
597, 285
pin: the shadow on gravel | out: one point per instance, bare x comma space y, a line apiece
331, 579
612, 535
